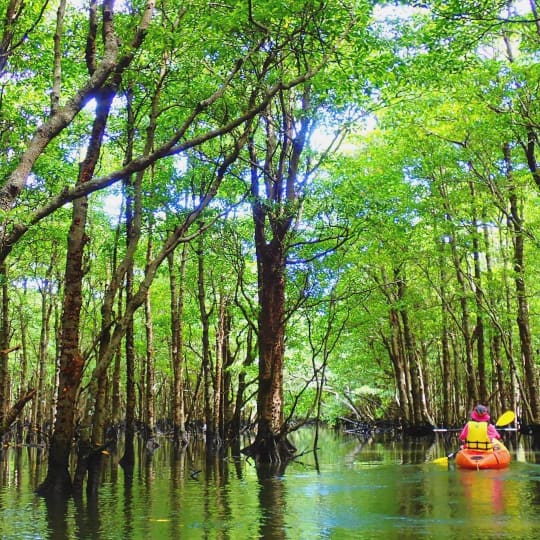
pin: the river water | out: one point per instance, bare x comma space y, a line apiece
350, 489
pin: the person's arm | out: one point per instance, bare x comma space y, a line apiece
464, 432
492, 432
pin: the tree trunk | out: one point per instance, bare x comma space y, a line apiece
395, 349
177, 353
271, 445
221, 355
418, 388
242, 386
470, 372
276, 185
128, 459
495, 339
58, 479
13, 413
149, 414
446, 357
4, 343
43, 357
23, 373
209, 414
132, 195
99, 384
516, 227
464, 292
71, 362
479, 299
227, 392
116, 392
395, 345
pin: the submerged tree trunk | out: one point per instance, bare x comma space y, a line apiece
274, 206
71, 361
58, 479
128, 459
271, 444
133, 210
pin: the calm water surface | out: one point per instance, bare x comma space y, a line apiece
352, 489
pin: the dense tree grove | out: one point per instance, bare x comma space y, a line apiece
246, 215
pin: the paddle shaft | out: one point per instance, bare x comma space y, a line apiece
456, 430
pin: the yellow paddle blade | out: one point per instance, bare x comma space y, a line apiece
441, 460
505, 418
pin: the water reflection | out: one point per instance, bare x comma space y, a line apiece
127, 499
178, 470
483, 491
351, 488
272, 502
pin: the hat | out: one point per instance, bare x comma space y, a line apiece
480, 413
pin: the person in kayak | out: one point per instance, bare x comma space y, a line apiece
478, 433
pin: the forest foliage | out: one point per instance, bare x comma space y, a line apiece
409, 228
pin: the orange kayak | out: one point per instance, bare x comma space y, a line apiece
499, 458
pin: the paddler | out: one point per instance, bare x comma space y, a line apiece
479, 433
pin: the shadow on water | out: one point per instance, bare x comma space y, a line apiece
357, 488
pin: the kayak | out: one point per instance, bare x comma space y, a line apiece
499, 458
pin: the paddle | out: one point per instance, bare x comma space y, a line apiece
503, 420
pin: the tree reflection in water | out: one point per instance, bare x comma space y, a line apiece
348, 488
272, 501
